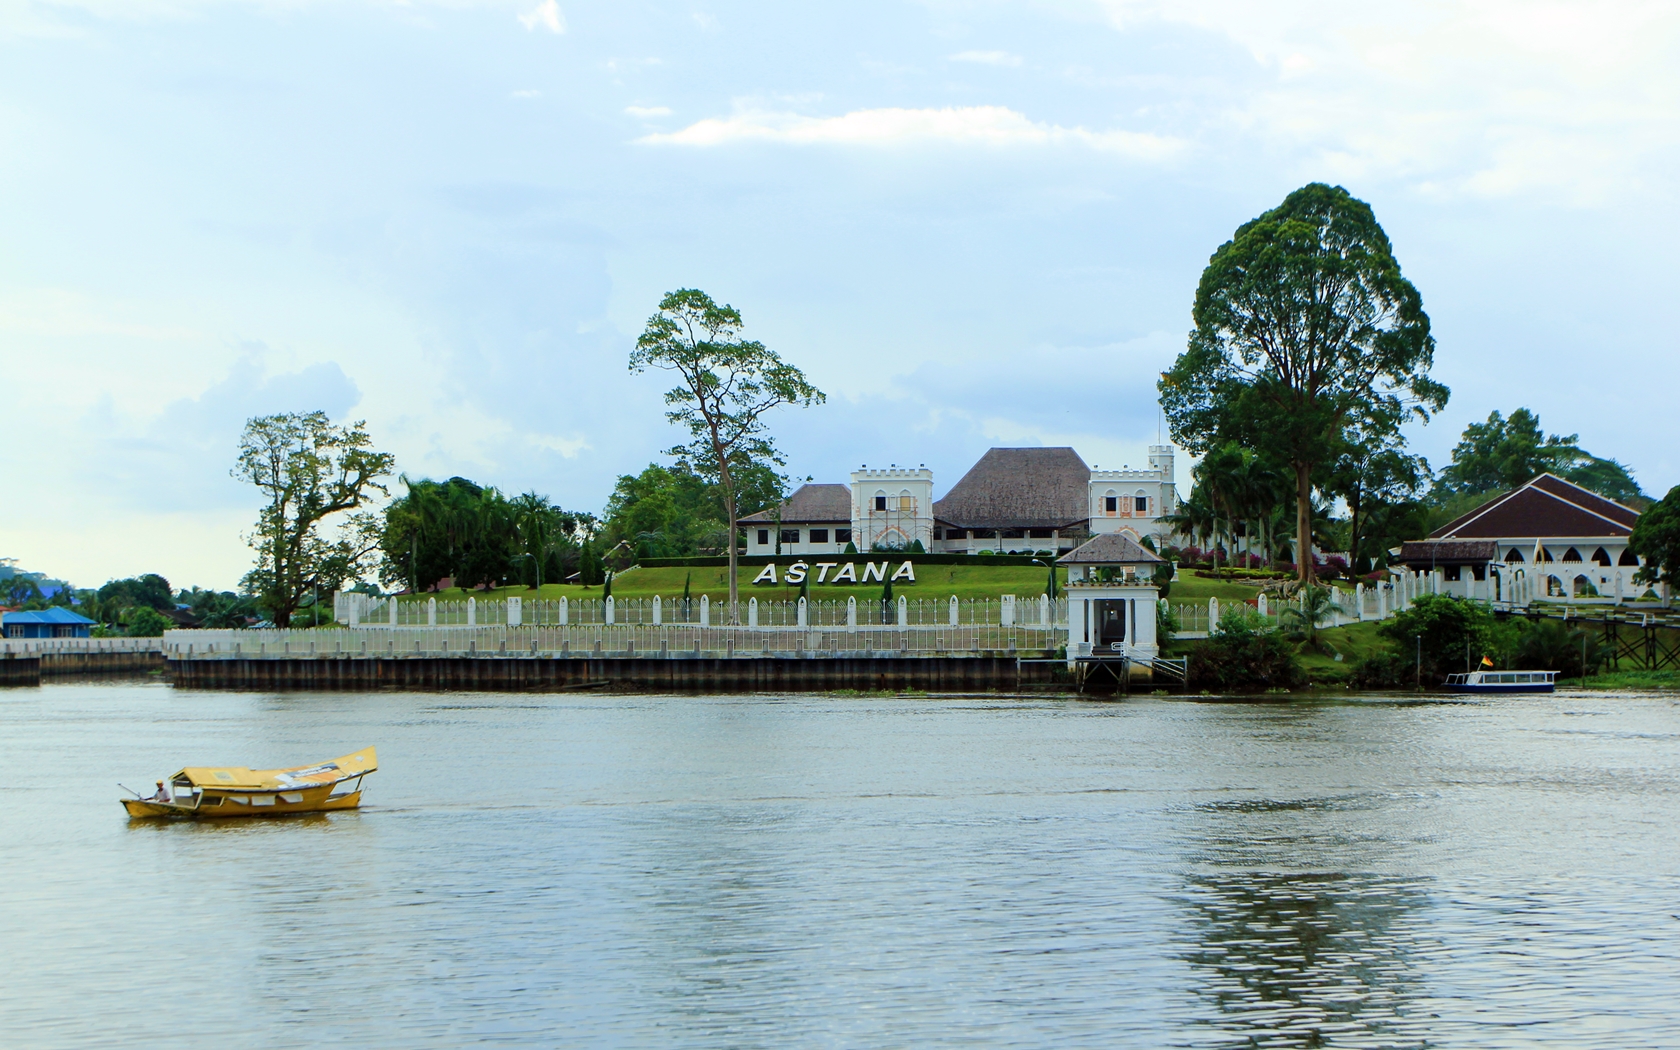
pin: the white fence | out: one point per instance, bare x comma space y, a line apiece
366, 612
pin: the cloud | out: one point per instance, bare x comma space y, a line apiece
546, 14
987, 58
525, 93
1488, 99
648, 112
996, 126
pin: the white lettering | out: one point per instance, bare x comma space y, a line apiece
796, 572
907, 571
871, 571
822, 569
847, 574
766, 574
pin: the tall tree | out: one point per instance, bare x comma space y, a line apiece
1371, 469
308, 470
727, 385
1304, 326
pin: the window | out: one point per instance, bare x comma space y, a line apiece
1039, 534
1601, 556
790, 535
1449, 572
956, 534
819, 535
1514, 558
1572, 555
1111, 504
1628, 558
1013, 534
842, 535
880, 503
938, 534
1141, 504
906, 502
764, 537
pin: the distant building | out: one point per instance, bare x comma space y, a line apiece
1014, 500
1566, 541
56, 622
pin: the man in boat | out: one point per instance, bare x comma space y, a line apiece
161, 795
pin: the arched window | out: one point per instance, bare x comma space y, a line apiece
1545, 555
1584, 588
1515, 557
1628, 557
1554, 587
880, 500
906, 501
1601, 556
1140, 502
1111, 502
1572, 555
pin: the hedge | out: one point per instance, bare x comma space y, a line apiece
719, 561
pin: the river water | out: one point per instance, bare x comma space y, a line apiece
568, 870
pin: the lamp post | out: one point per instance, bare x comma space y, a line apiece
1420, 663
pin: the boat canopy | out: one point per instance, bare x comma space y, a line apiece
238, 778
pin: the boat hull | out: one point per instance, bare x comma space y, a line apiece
1534, 687
235, 807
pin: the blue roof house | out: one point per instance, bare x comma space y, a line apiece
45, 623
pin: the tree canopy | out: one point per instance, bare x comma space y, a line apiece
726, 385
473, 535
1503, 453
1656, 539
1304, 328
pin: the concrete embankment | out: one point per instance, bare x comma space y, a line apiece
977, 674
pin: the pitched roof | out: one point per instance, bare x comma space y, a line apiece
823, 504
1448, 552
56, 614
1111, 548
1019, 488
1544, 506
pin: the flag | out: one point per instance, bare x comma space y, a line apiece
1486, 662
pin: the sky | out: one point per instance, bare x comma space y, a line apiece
970, 223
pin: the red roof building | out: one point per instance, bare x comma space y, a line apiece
1570, 542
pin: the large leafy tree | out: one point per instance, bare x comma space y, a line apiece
1503, 453
308, 470
1656, 539
1372, 472
726, 385
1304, 326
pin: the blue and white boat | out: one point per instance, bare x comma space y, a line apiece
1503, 682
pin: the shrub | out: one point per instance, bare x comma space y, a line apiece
146, 622
1243, 656
1384, 669
1444, 629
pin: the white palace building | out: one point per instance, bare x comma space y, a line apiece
1013, 501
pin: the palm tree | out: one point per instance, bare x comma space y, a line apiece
1302, 620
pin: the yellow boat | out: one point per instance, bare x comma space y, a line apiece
233, 791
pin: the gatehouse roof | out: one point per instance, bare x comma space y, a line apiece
1111, 548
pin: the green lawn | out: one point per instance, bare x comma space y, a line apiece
932, 581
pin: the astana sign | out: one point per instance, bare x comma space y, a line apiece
872, 572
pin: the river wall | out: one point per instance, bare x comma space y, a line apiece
650, 674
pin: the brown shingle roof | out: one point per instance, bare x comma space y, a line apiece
1019, 488
1111, 548
1545, 506
820, 504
